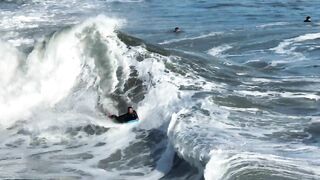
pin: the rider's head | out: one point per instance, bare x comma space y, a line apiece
130, 110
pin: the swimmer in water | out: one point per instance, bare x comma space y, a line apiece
176, 30
308, 19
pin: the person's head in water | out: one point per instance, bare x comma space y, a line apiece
176, 29
308, 19
130, 110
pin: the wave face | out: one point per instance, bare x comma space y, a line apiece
223, 102
54, 102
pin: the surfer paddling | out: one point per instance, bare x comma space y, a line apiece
308, 19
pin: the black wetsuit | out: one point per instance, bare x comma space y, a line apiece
125, 117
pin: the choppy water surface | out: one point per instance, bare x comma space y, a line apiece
235, 95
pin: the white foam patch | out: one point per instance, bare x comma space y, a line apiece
33, 14
191, 38
216, 167
272, 24
21, 41
10, 61
289, 45
276, 94
164, 98
49, 74
218, 51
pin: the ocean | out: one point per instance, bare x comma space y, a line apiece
233, 96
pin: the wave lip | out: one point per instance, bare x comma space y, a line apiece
257, 166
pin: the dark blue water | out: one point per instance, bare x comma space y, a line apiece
152, 19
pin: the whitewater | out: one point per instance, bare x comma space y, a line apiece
219, 101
